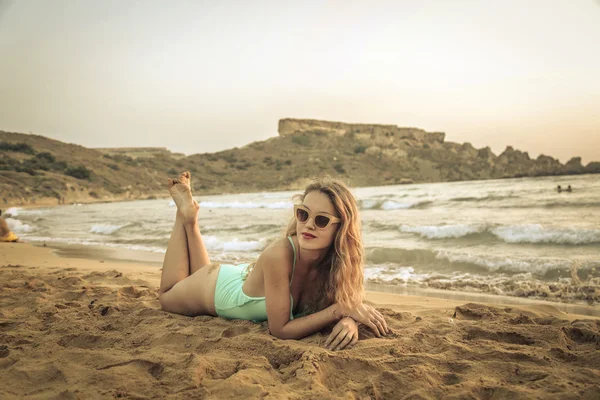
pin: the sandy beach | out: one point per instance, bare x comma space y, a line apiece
75, 328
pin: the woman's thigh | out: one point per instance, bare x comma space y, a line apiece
194, 295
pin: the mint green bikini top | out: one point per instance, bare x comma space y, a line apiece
259, 302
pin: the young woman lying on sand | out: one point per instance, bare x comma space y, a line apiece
315, 273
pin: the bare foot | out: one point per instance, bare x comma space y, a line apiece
195, 205
182, 195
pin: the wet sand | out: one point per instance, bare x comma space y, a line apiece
82, 328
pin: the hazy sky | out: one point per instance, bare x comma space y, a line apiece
198, 76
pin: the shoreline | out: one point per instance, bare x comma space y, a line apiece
52, 202
148, 261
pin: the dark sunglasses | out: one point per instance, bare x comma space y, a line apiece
322, 220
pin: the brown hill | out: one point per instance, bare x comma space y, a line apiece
36, 169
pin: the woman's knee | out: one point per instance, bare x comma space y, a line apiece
169, 302
163, 299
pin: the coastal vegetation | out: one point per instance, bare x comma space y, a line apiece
36, 169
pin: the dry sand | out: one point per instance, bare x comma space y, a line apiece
83, 329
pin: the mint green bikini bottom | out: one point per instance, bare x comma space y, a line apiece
231, 302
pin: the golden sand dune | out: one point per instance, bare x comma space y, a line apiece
80, 333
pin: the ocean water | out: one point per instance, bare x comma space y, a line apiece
515, 237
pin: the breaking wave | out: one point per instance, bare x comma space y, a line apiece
525, 233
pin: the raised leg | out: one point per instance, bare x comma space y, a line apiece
186, 288
196, 248
176, 265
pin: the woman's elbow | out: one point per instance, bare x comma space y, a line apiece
280, 333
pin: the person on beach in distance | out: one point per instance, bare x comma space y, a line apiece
300, 283
5, 234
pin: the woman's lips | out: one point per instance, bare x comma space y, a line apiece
308, 236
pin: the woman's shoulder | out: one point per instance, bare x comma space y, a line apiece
279, 250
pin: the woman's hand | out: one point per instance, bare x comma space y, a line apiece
343, 335
368, 316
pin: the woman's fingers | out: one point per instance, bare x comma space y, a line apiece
338, 339
336, 331
385, 326
380, 327
344, 342
379, 320
374, 328
353, 341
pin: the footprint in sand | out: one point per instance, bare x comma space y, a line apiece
235, 331
181, 192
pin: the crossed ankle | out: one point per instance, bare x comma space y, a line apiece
189, 222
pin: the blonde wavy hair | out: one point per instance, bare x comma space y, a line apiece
340, 275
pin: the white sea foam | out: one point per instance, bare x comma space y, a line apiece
387, 274
368, 204
442, 231
106, 229
495, 263
246, 205
535, 233
12, 211
17, 226
371, 204
527, 233
276, 195
280, 205
213, 243
394, 205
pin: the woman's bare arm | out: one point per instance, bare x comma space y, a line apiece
277, 293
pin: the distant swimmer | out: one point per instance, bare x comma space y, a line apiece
569, 188
559, 189
5, 234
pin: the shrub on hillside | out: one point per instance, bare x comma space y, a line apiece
27, 170
45, 156
301, 140
44, 161
79, 172
230, 158
8, 164
17, 147
59, 166
360, 149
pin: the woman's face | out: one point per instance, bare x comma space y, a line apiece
309, 236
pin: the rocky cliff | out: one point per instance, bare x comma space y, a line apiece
139, 152
39, 170
425, 156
